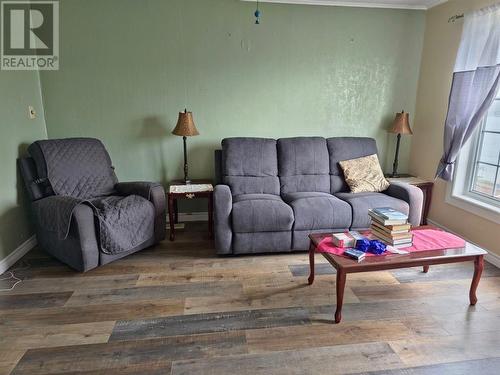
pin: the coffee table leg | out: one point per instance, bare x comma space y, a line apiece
310, 280
426, 269
478, 270
341, 276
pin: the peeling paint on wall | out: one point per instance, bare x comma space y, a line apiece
355, 90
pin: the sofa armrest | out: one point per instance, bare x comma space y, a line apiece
411, 195
155, 193
223, 204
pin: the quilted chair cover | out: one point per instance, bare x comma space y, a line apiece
79, 171
75, 167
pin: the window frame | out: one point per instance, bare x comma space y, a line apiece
459, 191
474, 163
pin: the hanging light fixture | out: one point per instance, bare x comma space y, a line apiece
257, 14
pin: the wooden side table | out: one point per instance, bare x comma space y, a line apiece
424, 185
196, 189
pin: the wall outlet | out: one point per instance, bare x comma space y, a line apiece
31, 112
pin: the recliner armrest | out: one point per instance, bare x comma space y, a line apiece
223, 205
411, 195
142, 188
83, 225
65, 228
155, 193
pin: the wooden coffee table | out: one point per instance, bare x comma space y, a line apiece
345, 265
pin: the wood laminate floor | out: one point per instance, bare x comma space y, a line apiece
177, 309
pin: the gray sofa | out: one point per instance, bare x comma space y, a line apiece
82, 215
271, 194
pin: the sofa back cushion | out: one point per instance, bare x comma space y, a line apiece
250, 165
303, 165
76, 167
346, 148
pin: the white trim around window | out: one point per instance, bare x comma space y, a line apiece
457, 191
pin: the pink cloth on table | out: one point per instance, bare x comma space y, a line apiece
423, 240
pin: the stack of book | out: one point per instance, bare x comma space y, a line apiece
391, 227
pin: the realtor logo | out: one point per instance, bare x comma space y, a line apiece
29, 35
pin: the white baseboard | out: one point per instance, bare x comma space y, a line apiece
493, 259
192, 216
490, 257
17, 254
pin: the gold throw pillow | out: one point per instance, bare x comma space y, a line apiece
364, 174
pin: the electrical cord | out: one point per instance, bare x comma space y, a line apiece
13, 276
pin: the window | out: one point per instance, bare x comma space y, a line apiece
485, 179
476, 184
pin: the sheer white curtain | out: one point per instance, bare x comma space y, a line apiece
476, 80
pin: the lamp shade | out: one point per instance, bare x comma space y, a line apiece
185, 125
401, 124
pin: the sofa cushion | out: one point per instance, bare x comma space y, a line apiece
251, 197
261, 213
250, 165
362, 202
303, 164
319, 211
345, 148
303, 194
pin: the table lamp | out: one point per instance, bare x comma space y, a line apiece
401, 125
185, 127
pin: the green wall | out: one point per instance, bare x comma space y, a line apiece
18, 90
128, 67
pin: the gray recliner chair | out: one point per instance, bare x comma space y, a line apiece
82, 215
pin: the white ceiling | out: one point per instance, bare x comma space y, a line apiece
398, 4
